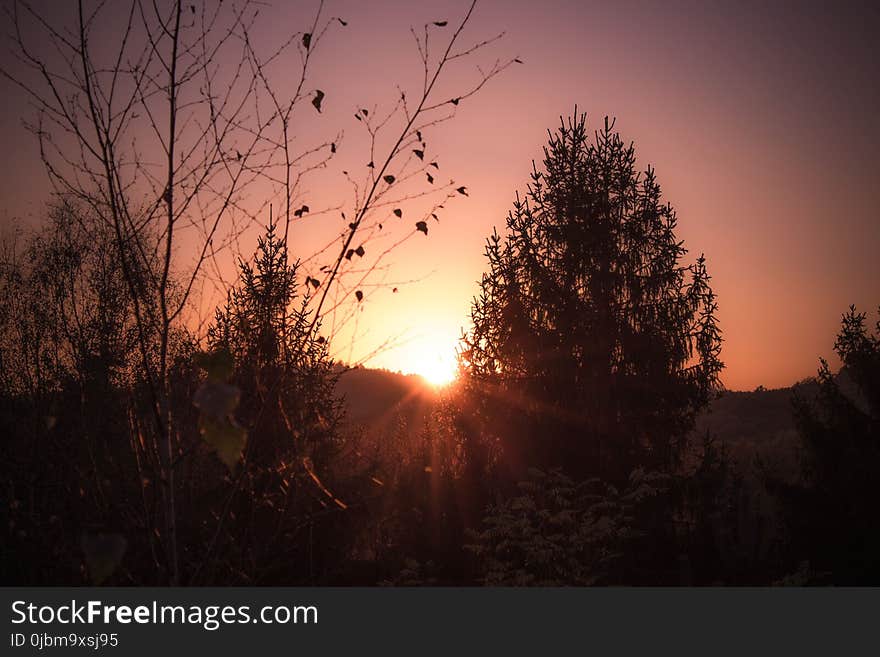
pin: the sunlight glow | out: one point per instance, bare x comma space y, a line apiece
429, 351
438, 369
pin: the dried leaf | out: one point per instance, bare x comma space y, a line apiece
216, 399
225, 436
422, 226
318, 99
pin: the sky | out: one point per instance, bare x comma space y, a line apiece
760, 120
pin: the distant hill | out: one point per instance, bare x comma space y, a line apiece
755, 424
374, 399
749, 424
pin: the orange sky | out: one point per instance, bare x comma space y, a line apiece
761, 124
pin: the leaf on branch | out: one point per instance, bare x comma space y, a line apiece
217, 400
359, 296
419, 153
422, 226
103, 553
389, 179
394, 290
435, 165
321, 339
462, 190
441, 23
333, 147
349, 253
318, 99
353, 225
371, 165
360, 251
430, 177
517, 60
225, 436
436, 218
314, 282
307, 40
419, 135
398, 212
301, 211
357, 116
455, 101
365, 112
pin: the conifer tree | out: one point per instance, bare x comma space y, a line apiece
830, 512
282, 365
593, 345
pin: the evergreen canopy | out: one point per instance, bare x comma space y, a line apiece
588, 324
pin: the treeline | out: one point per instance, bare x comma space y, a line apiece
564, 455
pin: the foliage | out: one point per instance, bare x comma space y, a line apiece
588, 327
830, 510
559, 532
281, 363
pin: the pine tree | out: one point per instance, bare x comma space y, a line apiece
831, 511
282, 365
593, 345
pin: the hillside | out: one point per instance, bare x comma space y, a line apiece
749, 424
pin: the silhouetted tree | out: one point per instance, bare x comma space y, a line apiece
831, 511
281, 363
593, 345
138, 123
278, 393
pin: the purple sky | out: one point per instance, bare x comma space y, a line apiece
760, 119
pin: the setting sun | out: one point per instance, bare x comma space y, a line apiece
429, 351
438, 369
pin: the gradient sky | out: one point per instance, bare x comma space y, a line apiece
760, 119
